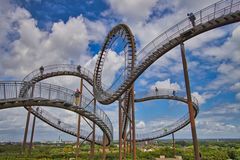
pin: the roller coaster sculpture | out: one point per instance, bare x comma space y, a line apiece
31, 92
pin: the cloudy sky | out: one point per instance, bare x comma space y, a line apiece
41, 32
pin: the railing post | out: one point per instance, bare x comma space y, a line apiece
214, 10
190, 106
49, 94
4, 90
231, 6
201, 16
16, 89
40, 89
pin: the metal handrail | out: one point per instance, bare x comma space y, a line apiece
11, 90
68, 68
214, 11
169, 94
70, 129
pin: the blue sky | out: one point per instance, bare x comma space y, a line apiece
40, 32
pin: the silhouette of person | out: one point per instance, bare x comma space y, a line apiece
79, 68
41, 69
192, 18
77, 97
174, 93
156, 90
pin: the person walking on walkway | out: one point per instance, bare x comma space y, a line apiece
192, 18
41, 69
79, 68
77, 97
174, 93
156, 90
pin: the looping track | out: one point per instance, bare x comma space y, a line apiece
120, 31
217, 15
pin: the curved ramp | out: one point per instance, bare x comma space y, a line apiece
53, 71
52, 95
179, 124
55, 122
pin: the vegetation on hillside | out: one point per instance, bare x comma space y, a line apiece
210, 150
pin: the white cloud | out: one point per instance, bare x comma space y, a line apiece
210, 127
204, 38
132, 10
65, 43
140, 125
225, 68
223, 109
228, 51
202, 98
166, 84
112, 64
238, 96
235, 87
228, 74
153, 125
143, 82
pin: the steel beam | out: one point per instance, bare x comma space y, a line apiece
79, 120
26, 130
27, 123
173, 141
120, 130
133, 127
33, 129
124, 145
93, 135
104, 147
190, 105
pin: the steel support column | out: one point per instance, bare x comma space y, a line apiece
93, 135
120, 130
33, 129
27, 124
124, 145
173, 141
26, 130
190, 106
127, 145
104, 146
133, 126
130, 139
79, 120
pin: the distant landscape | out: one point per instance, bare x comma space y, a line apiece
211, 149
